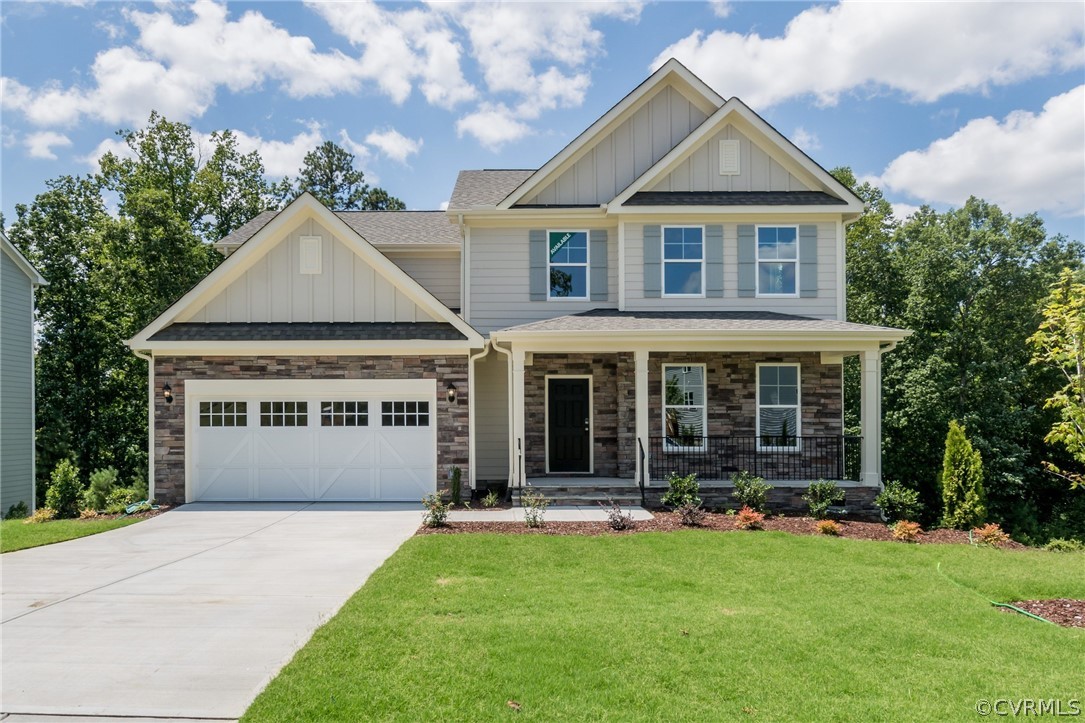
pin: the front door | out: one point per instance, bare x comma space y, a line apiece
569, 424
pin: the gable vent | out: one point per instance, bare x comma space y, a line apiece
729, 164
310, 255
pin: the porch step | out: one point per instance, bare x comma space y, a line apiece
586, 498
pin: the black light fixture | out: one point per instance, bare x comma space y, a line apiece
167, 393
451, 393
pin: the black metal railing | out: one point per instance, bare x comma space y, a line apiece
774, 458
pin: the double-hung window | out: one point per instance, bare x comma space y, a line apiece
567, 262
684, 411
683, 261
777, 260
778, 419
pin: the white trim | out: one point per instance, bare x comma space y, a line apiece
309, 348
465, 293
757, 262
586, 264
730, 148
663, 262
471, 385
663, 404
591, 419
25, 266
797, 447
621, 265
310, 255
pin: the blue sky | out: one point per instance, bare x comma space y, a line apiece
932, 101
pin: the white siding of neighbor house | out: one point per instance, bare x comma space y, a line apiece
438, 273
824, 306
622, 156
500, 282
492, 418
348, 289
758, 170
16, 386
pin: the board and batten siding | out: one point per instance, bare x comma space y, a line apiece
438, 273
628, 151
16, 386
500, 283
492, 418
347, 289
824, 306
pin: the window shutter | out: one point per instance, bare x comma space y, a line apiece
747, 260
537, 285
713, 236
653, 236
808, 261
598, 242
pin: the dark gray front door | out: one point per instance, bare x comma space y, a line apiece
569, 425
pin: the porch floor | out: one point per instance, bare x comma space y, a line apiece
585, 480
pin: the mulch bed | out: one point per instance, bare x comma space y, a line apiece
137, 516
1067, 613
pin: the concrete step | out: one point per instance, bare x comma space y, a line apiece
588, 499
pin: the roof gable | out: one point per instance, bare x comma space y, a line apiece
25, 266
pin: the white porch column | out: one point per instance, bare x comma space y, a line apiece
641, 401
517, 441
871, 412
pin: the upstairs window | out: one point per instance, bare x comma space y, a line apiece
778, 406
568, 264
777, 260
683, 261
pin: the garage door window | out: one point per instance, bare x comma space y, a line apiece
404, 414
344, 414
284, 414
223, 414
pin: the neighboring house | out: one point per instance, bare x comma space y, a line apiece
665, 294
18, 279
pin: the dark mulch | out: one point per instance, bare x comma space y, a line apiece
1068, 613
137, 516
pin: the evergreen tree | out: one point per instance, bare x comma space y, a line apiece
963, 501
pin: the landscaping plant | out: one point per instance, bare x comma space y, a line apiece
748, 519
828, 527
617, 518
682, 490
751, 491
64, 491
436, 512
691, 515
897, 502
1065, 545
820, 496
88, 513
963, 502
490, 500
534, 503
102, 482
42, 514
456, 477
991, 535
906, 531
17, 511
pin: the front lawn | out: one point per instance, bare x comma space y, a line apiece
14, 535
690, 625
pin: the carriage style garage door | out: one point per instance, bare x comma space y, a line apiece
287, 440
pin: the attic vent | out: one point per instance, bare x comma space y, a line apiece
729, 165
310, 255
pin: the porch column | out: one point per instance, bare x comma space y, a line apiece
641, 401
871, 404
517, 441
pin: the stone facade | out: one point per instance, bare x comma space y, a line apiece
858, 500
169, 424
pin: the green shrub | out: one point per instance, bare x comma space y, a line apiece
964, 504
1065, 545
820, 496
682, 490
751, 491
65, 492
534, 503
122, 497
491, 499
456, 477
897, 502
18, 511
102, 482
42, 514
436, 514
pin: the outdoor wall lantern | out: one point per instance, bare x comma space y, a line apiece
167, 393
451, 393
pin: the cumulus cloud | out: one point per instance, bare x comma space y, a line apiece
282, 158
394, 144
41, 144
109, 145
1025, 162
721, 8
923, 50
805, 140
493, 126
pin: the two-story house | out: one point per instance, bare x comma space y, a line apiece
667, 293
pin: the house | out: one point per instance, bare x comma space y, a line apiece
18, 279
665, 294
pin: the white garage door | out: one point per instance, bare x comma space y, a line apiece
311, 440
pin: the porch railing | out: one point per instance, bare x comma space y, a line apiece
774, 458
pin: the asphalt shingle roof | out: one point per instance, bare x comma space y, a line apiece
733, 198
604, 320
319, 331
380, 228
485, 188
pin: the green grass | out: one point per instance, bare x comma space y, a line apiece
685, 626
14, 535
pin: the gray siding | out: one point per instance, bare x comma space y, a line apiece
16, 386
439, 274
492, 418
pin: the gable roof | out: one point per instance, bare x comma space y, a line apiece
485, 188
424, 229
25, 266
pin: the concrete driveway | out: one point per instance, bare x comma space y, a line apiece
187, 615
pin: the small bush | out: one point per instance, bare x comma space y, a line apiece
617, 518
820, 496
1065, 545
682, 490
121, 497
457, 485
535, 504
751, 491
42, 514
748, 519
828, 527
897, 502
65, 492
991, 535
963, 500
490, 500
691, 515
88, 513
102, 482
17, 511
906, 531
436, 513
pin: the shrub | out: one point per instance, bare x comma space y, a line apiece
828, 527
906, 531
751, 491
990, 534
18, 511
617, 518
490, 500
436, 514
682, 490
820, 496
535, 504
121, 497
102, 482
456, 475
88, 513
691, 515
963, 502
897, 502
748, 519
1065, 545
42, 514
65, 492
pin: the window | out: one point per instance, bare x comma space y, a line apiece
683, 261
344, 414
404, 414
777, 260
684, 421
284, 414
568, 264
778, 406
223, 414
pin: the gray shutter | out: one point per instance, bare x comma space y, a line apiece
713, 236
537, 285
808, 260
653, 236
598, 239
747, 261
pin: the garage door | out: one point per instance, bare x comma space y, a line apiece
318, 441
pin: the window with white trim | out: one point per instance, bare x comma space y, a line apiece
224, 414
567, 264
778, 410
344, 414
777, 260
685, 418
683, 261
284, 414
404, 414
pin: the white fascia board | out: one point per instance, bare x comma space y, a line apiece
693, 344
309, 348
655, 339
775, 211
307, 387
527, 215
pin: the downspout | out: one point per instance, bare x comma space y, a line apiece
471, 386
508, 385
149, 358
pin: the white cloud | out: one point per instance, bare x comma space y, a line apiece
923, 50
360, 150
805, 140
903, 210
493, 126
394, 144
112, 145
1026, 162
282, 158
721, 8
41, 144
444, 205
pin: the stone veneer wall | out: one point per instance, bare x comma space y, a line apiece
169, 433
858, 500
